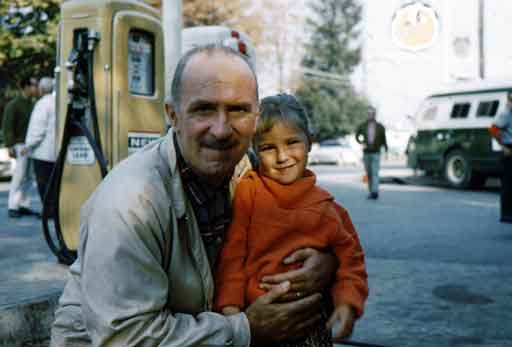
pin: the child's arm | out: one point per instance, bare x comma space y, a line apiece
351, 284
230, 279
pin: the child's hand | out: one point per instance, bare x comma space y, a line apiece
341, 322
229, 310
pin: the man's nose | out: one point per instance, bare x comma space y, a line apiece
221, 127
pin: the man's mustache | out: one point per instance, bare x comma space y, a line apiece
220, 145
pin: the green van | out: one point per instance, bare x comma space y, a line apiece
452, 138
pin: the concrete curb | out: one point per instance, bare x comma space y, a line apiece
28, 322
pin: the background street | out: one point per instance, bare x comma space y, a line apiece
438, 261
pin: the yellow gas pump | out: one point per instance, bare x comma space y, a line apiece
110, 102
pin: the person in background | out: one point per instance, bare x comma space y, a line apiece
372, 135
279, 209
40, 139
502, 131
15, 123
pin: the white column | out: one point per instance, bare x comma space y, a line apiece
172, 25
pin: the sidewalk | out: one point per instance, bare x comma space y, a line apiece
31, 280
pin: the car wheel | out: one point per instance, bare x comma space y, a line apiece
457, 169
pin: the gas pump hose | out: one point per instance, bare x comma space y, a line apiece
74, 126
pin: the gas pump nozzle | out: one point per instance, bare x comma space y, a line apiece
93, 37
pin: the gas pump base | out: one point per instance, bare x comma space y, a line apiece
28, 323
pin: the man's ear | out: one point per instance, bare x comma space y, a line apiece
171, 114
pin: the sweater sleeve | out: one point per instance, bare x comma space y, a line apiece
231, 279
351, 284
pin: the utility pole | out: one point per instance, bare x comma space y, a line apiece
172, 25
481, 46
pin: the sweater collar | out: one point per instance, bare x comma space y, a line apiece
301, 193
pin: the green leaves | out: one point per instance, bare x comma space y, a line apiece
28, 34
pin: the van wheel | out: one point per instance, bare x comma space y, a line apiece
457, 169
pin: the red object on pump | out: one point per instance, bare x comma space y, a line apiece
235, 34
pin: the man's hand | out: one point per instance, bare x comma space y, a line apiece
24, 151
314, 276
271, 321
341, 322
12, 152
230, 310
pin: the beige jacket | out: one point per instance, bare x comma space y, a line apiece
119, 293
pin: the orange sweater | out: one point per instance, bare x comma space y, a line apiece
270, 221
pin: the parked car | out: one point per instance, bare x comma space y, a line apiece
453, 140
338, 151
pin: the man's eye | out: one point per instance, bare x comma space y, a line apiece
239, 109
204, 108
265, 148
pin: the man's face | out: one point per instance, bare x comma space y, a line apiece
217, 115
32, 90
371, 114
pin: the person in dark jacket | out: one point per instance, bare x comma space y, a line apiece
504, 123
15, 124
372, 135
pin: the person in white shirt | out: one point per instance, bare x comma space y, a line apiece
40, 138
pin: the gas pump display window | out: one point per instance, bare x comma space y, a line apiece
141, 69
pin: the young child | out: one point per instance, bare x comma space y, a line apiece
279, 209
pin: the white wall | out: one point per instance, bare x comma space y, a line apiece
396, 80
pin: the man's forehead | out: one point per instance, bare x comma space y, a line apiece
210, 74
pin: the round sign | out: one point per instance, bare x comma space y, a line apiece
415, 26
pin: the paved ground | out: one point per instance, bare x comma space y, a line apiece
27, 268
438, 263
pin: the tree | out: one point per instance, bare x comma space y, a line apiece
335, 108
28, 35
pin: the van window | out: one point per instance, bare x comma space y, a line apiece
487, 108
430, 113
460, 110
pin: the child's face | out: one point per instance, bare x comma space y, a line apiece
283, 153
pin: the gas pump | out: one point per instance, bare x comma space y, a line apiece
110, 102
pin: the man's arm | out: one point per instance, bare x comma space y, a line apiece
8, 125
385, 143
314, 276
271, 321
125, 288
